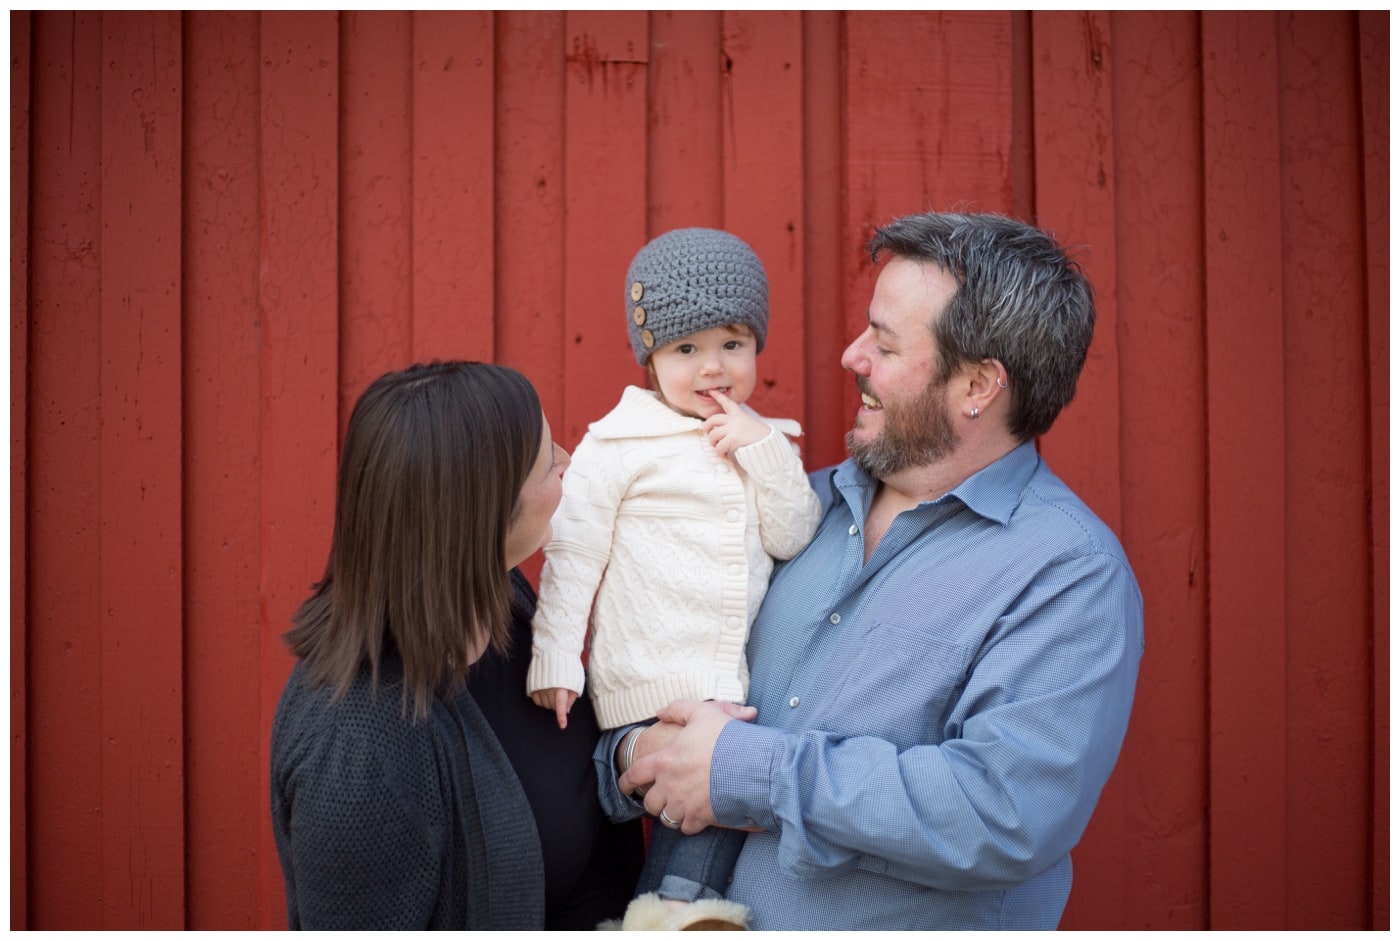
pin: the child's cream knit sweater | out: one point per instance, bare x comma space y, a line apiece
670, 546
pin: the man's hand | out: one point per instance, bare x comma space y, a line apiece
558, 699
733, 428
679, 771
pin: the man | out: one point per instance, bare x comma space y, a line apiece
943, 677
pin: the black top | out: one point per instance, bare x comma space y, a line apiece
591, 866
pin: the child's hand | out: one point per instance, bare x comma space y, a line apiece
733, 428
556, 698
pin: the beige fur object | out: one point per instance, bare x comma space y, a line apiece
651, 913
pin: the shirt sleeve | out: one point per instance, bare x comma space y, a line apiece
618, 807
574, 562
367, 838
788, 509
1025, 750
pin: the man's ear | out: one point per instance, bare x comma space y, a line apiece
982, 385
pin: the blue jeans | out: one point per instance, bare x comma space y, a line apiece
687, 868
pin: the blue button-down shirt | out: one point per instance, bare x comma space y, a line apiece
934, 724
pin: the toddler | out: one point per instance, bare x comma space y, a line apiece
675, 507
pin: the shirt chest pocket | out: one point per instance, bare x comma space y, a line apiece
895, 680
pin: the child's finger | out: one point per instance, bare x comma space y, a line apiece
561, 707
725, 402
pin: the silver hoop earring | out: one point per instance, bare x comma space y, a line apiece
1001, 382
974, 413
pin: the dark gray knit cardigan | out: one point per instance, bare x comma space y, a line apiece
381, 822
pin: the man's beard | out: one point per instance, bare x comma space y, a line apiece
916, 433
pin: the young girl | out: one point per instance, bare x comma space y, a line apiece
675, 507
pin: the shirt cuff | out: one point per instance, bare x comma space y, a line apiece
618, 807
741, 774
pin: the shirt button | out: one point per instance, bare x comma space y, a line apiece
793, 702
835, 618
853, 529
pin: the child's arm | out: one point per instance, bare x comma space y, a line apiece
575, 560
788, 508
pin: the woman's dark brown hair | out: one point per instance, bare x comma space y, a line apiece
433, 463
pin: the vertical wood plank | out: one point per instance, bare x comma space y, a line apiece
1246, 502
605, 140
142, 716
1373, 47
222, 342
529, 126
1325, 497
1073, 69
529, 83
685, 166
64, 641
376, 200
453, 186
1074, 185
1160, 268
19, 399
1022, 118
763, 185
297, 298
826, 249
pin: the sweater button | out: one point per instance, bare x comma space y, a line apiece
732, 516
732, 623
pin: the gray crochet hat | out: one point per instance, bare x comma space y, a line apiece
690, 280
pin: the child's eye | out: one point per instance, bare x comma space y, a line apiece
686, 348
734, 345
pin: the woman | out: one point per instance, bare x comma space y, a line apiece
393, 803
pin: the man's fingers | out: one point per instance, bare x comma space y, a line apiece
639, 777
679, 711
736, 711
683, 711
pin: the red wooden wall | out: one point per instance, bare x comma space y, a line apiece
223, 225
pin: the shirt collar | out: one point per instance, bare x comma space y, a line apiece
993, 492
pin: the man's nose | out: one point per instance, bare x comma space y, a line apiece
855, 356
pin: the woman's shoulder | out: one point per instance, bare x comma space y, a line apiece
370, 724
